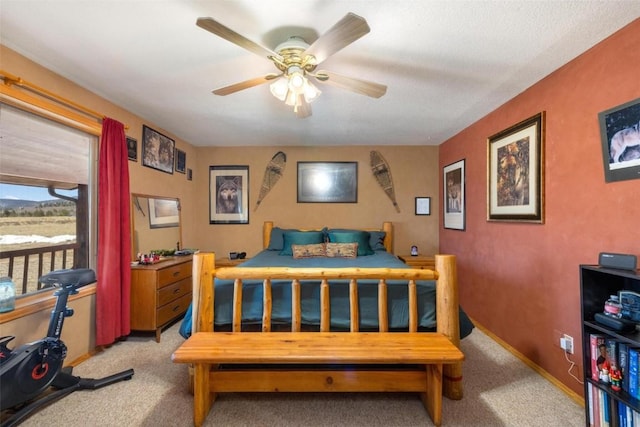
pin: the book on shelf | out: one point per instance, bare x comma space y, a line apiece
633, 361
623, 364
595, 341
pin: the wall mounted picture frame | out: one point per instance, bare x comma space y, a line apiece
327, 182
423, 205
132, 149
515, 179
620, 136
454, 195
228, 194
158, 150
181, 161
164, 213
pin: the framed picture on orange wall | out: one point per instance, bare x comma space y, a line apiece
515, 184
620, 135
454, 196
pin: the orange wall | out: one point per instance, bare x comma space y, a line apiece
521, 281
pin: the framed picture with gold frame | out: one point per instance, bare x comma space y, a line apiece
516, 172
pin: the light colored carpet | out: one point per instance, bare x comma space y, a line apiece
499, 390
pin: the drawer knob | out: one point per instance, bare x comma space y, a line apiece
175, 273
176, 308
176, 291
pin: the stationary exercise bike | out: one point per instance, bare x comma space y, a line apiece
31, 369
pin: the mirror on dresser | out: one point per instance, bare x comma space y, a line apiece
155, 223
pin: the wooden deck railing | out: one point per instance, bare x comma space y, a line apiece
45, 259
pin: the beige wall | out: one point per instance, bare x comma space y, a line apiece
415, 173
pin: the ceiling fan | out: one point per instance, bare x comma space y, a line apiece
297, 61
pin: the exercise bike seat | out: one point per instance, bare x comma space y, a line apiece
77, 277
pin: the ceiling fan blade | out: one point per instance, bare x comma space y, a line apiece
304, 108
344, 32
227, 90
363, 87
227, 33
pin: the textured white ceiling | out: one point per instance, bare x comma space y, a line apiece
446, 63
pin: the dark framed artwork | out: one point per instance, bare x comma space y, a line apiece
454, 195
132, 149
189, 175
164, 213
157, 150
423, 205
516, 172
327, 182
181, 161
228, 194
620, 135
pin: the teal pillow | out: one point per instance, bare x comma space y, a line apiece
359, 237
276, 240
376, 238
300, 238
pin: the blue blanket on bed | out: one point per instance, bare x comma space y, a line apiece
397, 296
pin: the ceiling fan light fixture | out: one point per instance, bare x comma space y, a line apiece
279, 88
310, 91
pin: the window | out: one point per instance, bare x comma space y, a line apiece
47, 197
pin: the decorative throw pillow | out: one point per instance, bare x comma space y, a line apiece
341, 250
300, 238
359, 237
308, 251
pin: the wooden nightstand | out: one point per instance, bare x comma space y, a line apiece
226, 262
422, 262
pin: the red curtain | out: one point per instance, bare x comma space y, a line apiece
114, 236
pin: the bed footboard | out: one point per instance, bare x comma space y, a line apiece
425, 362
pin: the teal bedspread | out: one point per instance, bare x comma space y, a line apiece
339, 295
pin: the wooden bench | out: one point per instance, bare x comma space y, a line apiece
322, 361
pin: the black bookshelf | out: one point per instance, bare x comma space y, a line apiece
596, 286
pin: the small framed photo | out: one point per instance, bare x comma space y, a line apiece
327, 182
189, 175
516, 172
132, 149
158, 150
423, 205
454, 195
164, 213
181, 161
620, 135
228, 194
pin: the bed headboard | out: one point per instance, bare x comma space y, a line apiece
387, 227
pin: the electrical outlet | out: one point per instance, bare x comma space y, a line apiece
566, 343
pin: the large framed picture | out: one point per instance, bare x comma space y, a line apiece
157, 150
228, 194
453, 178
164, 213
620, 135
516, 172
327, 182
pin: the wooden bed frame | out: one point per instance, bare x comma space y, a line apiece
429, 363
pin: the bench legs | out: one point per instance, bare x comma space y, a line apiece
432, 398
202, 396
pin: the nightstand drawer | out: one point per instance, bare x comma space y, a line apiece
174, 291
172, 310
174, 273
